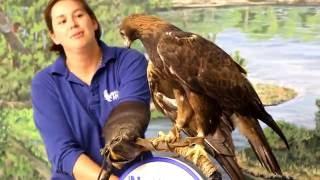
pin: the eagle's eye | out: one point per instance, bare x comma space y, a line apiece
122, 33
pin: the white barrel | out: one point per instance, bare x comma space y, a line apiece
161, 168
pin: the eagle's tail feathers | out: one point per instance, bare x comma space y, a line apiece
273, 125
251, 129
230, 165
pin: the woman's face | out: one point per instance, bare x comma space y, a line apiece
73, 28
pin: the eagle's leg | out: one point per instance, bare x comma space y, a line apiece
200, 120
171, 137
197, 142
197, 149
184, 114
164, 103
184, 110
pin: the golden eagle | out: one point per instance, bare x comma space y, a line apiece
205, 82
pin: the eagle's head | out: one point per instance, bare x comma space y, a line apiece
128, 31
134, 26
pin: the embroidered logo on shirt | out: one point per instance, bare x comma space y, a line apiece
113, 95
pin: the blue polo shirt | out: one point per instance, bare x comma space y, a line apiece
70, 114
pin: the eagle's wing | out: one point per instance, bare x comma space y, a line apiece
161, 92
207, 69
203, 66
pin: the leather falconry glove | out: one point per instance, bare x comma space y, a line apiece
127, 122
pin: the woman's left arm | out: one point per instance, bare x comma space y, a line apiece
133, 78
130, 118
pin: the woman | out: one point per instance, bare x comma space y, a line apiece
88, 84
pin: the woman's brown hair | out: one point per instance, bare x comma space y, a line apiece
48, 19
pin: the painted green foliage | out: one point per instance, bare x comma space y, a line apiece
21, 147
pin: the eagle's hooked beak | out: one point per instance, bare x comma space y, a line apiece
127, 42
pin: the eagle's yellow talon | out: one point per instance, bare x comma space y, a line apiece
196, 152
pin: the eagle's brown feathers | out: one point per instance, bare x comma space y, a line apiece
204, 81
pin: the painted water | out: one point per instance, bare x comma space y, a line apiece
280, 44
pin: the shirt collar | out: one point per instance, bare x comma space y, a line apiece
109, 53
59, 66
